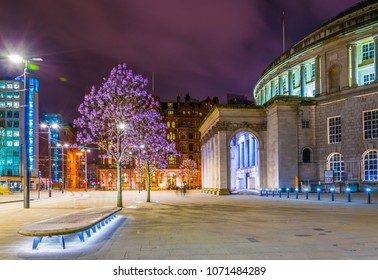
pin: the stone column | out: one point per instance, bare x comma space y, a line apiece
290, 81
352, 63
280, 89
223, 162
317, 76
376, 58
271, 89
303, 79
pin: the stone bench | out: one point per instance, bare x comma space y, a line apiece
77, 222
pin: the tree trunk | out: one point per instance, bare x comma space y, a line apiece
119, 186
148, 182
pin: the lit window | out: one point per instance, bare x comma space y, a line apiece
336, 163
9, 104
371, 124
9, 85
368, 78
16, 143
367, 51
170, 113
312, 71
16, 104
371, 166
334, 130
9, 133
2, 104
168, 124
173, 124
10, 95
9, 143
16, 95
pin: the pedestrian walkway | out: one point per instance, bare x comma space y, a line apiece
201, 226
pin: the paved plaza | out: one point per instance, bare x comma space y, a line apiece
200, 226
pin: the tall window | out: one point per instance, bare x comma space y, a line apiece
336, 163
370, 161
371, 124
334, 130
367, 51
368, 78
306, 155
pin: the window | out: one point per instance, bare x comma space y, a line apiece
170, 113
336, 163
173, 125
370, 163
171, 160
334, 130
306, 155
368, 51
284, 84
168, 124
305, 123
368, 78
312, 71
190, 147
371, 124
190, 135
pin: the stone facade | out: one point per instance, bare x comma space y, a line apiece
316, 110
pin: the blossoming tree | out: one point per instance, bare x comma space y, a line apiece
121, 117
188, 169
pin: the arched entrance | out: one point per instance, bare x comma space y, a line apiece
244, 161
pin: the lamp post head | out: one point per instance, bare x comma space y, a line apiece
16, 58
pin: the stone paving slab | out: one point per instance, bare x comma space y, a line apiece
202, 226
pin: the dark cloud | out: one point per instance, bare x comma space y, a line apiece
205, 47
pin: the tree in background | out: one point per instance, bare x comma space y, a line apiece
121, 117
189, 170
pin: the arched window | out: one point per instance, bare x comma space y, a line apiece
190, 147
190, 135
336, 163
370, 164
173, 125
306, 155
168, 124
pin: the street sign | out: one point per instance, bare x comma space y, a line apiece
328, 176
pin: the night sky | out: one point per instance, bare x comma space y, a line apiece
201, 47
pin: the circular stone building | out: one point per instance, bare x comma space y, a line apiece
315, 121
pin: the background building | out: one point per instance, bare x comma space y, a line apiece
316, 118
183, 119
12, 129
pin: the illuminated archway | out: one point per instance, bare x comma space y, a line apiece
244, 161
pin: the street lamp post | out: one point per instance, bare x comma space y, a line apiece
86, 168
26, 166
54, 125
63, 178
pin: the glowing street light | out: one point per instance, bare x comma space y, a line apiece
26, 163
63, 179
86, 168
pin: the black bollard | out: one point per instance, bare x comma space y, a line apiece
318, 190
296, 193
279, 192
261, 192
306, 190
332, 194
272, 192
288, 192
368, 190
267, 192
